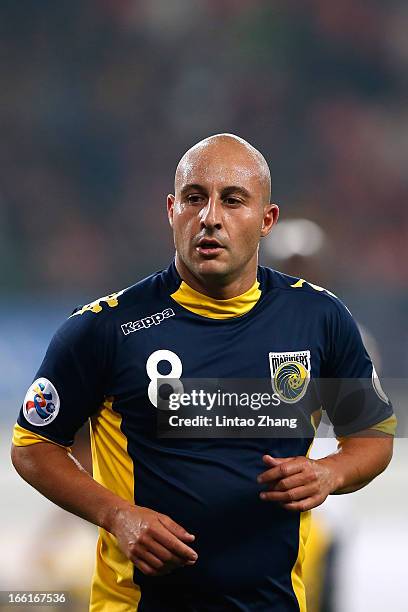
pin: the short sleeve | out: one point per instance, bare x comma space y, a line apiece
350, 389
68, 387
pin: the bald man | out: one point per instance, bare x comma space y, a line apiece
203, 521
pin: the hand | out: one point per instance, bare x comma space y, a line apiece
152, 541
297, 483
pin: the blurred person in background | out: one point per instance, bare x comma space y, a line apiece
193, 524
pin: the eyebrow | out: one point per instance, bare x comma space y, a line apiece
227, 191
192, 187
235, 189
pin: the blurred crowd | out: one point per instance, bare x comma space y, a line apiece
99, 99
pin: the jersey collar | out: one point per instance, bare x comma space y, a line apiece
209, 307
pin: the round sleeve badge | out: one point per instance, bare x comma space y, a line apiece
41, 403
378, 388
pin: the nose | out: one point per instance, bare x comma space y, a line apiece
210, 215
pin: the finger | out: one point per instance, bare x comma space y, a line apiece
156, 556
285, 497
272, 461
174, 545
145, 568
151, 560
159, 566
165, 555
281, 471
303, 505
175, 528
291, 482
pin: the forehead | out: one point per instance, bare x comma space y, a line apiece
220, 166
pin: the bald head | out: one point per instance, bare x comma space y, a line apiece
227, 153
219, 212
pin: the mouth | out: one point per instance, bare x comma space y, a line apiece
209, 247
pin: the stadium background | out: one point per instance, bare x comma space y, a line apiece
98, 100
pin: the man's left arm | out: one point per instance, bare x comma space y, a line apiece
363, 420
300, 483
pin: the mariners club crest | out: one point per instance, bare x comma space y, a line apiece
290, 373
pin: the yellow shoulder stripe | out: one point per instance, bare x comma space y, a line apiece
302, 281
24, 437
111, 300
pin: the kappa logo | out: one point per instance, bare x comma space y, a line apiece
290, 373
146, 322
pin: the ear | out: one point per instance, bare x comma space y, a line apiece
270, 218
170, 208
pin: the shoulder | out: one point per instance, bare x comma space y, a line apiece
143, 291
303, 292
273, 279
102, 313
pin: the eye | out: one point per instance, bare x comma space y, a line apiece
231, 201
195, 198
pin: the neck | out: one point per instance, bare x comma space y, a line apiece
218, 287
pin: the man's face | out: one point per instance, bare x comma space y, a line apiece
219, 211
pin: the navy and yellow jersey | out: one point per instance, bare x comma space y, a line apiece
103, 364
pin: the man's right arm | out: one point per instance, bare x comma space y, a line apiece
70, 388
151, 540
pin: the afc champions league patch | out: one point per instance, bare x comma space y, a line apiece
290, 373
378, 388
41, 403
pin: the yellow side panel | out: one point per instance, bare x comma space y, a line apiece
113, 588
317, 548
297, 570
